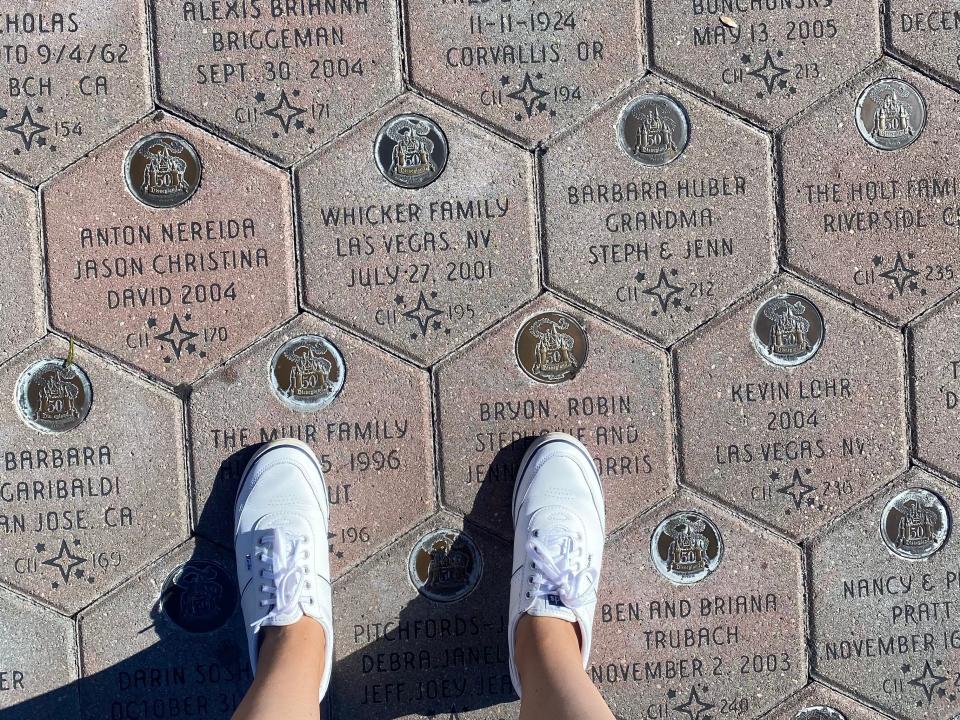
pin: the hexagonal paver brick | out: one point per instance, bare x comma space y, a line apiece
21, 295
880, 226
884, 582
437, 648
38, 662
83, 506
419, 269
935, 380
792, 444
317, 384
282, 77
730, 643
766, 60
530, 68
926, 34
579, 376
169, 643
74, 74
175, 286
818, 702
660, 248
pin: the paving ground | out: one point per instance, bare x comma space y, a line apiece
716, 240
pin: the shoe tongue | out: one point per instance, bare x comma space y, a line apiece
556, 528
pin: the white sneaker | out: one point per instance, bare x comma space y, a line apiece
559, 523
280, 536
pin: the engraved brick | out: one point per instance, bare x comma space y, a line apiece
401, 654
794, 444
925, 34
733, 640
818, 702
765, 60
612, 397
169, 643
420, 269
21, 299
74, 74
879, 225
372, 452
529, 68
281, 77
38, 662
83, 508
935, 385
659, 247
176, 286
884, 624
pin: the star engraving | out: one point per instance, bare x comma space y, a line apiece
284, 112
797, 490
664, 291
176, 336
65, 562
929, 681
900, 275
528, 94
694, 708
422, 314
769, 73
28, 130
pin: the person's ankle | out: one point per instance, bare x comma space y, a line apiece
539, 636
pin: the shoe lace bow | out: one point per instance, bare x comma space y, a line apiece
285, 578
560, 570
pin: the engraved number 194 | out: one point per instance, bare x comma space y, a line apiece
567, 93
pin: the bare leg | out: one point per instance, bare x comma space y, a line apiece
555, 687
289, 670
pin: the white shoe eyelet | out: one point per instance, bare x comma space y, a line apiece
531, 578
536, 533
528, 595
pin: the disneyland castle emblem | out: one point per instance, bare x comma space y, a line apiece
411, 151
551, 347
162, 170
653, 129
915, 523
686, 547
788, 330
54, 396
307, 372
890, 114
819, 712
445, 565
199, 596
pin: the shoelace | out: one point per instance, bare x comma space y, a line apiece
288, 583
562, 573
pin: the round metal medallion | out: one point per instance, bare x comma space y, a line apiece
52, 396
445, 565
686, 547
915, 523
551, 347
788, 330
162, 170
200, 596
411, 151
820, 712
890, 114
307, 372
653, 129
